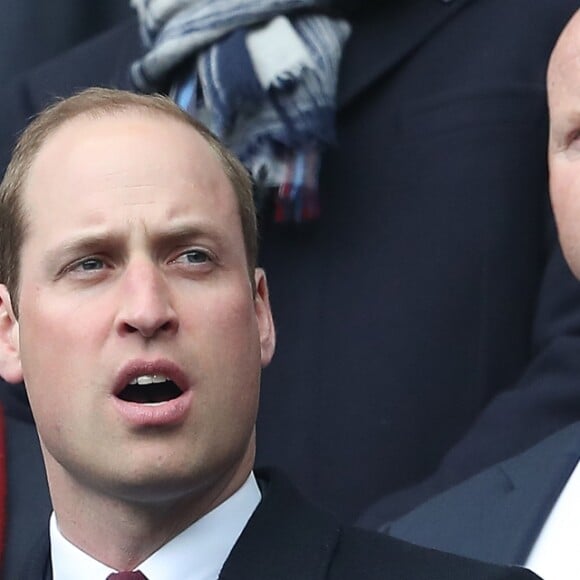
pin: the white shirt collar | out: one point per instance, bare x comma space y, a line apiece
554, 556
197, 553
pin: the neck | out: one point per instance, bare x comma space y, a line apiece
123, 533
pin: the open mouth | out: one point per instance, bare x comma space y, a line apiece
150, 389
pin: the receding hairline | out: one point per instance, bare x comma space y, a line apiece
101, 103
119, 111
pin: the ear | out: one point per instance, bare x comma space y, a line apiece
10, 367
264, 316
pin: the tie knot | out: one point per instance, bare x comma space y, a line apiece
127, 576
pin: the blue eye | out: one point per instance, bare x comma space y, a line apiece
89, 268
89, 265
192, 257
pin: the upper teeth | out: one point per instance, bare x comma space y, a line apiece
148, 379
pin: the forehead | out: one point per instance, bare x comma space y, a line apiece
130, 151
564, 67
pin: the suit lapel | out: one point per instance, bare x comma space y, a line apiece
286, 538
496, 515
385, 35
537, 479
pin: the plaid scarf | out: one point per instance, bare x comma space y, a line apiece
263, 79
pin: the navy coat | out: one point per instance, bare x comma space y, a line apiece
497, 514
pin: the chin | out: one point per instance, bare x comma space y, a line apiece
156, 488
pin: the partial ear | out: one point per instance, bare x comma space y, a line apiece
264, 316
10, 367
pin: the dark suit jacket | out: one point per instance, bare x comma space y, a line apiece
430, 306
497, 515
289, 539
24, 489
31, 32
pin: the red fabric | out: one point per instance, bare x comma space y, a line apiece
127, 576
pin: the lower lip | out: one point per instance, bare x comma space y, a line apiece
159, 415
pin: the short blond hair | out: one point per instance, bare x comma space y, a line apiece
98, 102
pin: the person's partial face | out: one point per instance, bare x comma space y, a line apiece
138, 337
564, 146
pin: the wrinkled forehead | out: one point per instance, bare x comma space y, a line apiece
89, 150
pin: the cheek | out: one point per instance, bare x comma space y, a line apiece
226, 312
228, 359
231, 338
52, 329
565, 196
42, 350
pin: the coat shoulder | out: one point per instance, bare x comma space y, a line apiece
369, 555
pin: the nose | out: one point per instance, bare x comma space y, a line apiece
145, 306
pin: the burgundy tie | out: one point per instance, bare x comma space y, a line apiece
127, 576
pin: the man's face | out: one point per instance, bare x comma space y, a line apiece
564, 146
134, 271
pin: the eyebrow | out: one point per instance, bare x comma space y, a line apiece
107, 240
84, 243
185, 232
